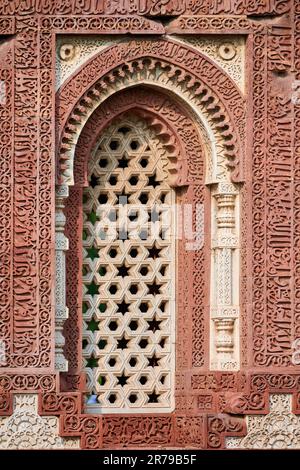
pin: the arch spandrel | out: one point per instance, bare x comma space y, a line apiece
198, 132
214, 398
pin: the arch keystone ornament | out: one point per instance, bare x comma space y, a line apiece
113, 112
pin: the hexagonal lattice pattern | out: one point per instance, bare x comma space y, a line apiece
129, 272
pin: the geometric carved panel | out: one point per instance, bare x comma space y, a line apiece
228, 52
129, 272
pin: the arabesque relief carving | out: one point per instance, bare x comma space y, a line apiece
25, 429
148, 7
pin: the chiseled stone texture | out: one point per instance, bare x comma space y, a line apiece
279, 429
25, 429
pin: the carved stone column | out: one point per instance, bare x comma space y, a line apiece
61, 310
224, 344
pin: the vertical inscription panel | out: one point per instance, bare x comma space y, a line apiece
32, 205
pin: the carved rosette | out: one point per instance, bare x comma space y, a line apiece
26, 429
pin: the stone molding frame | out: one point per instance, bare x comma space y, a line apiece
270, 52
169, 137
78, 114
279, 429
148, 101
186, 173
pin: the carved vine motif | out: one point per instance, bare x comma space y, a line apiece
25, 429
68, 407
72, 326
223, 25
32, 291
279, 429
7, 25
272, 206
296, 166
31, 332
103, 24
27, 382
218, 426
226, 52
73, 50
6, 196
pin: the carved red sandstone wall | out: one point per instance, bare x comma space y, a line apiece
270, 283
145, 7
